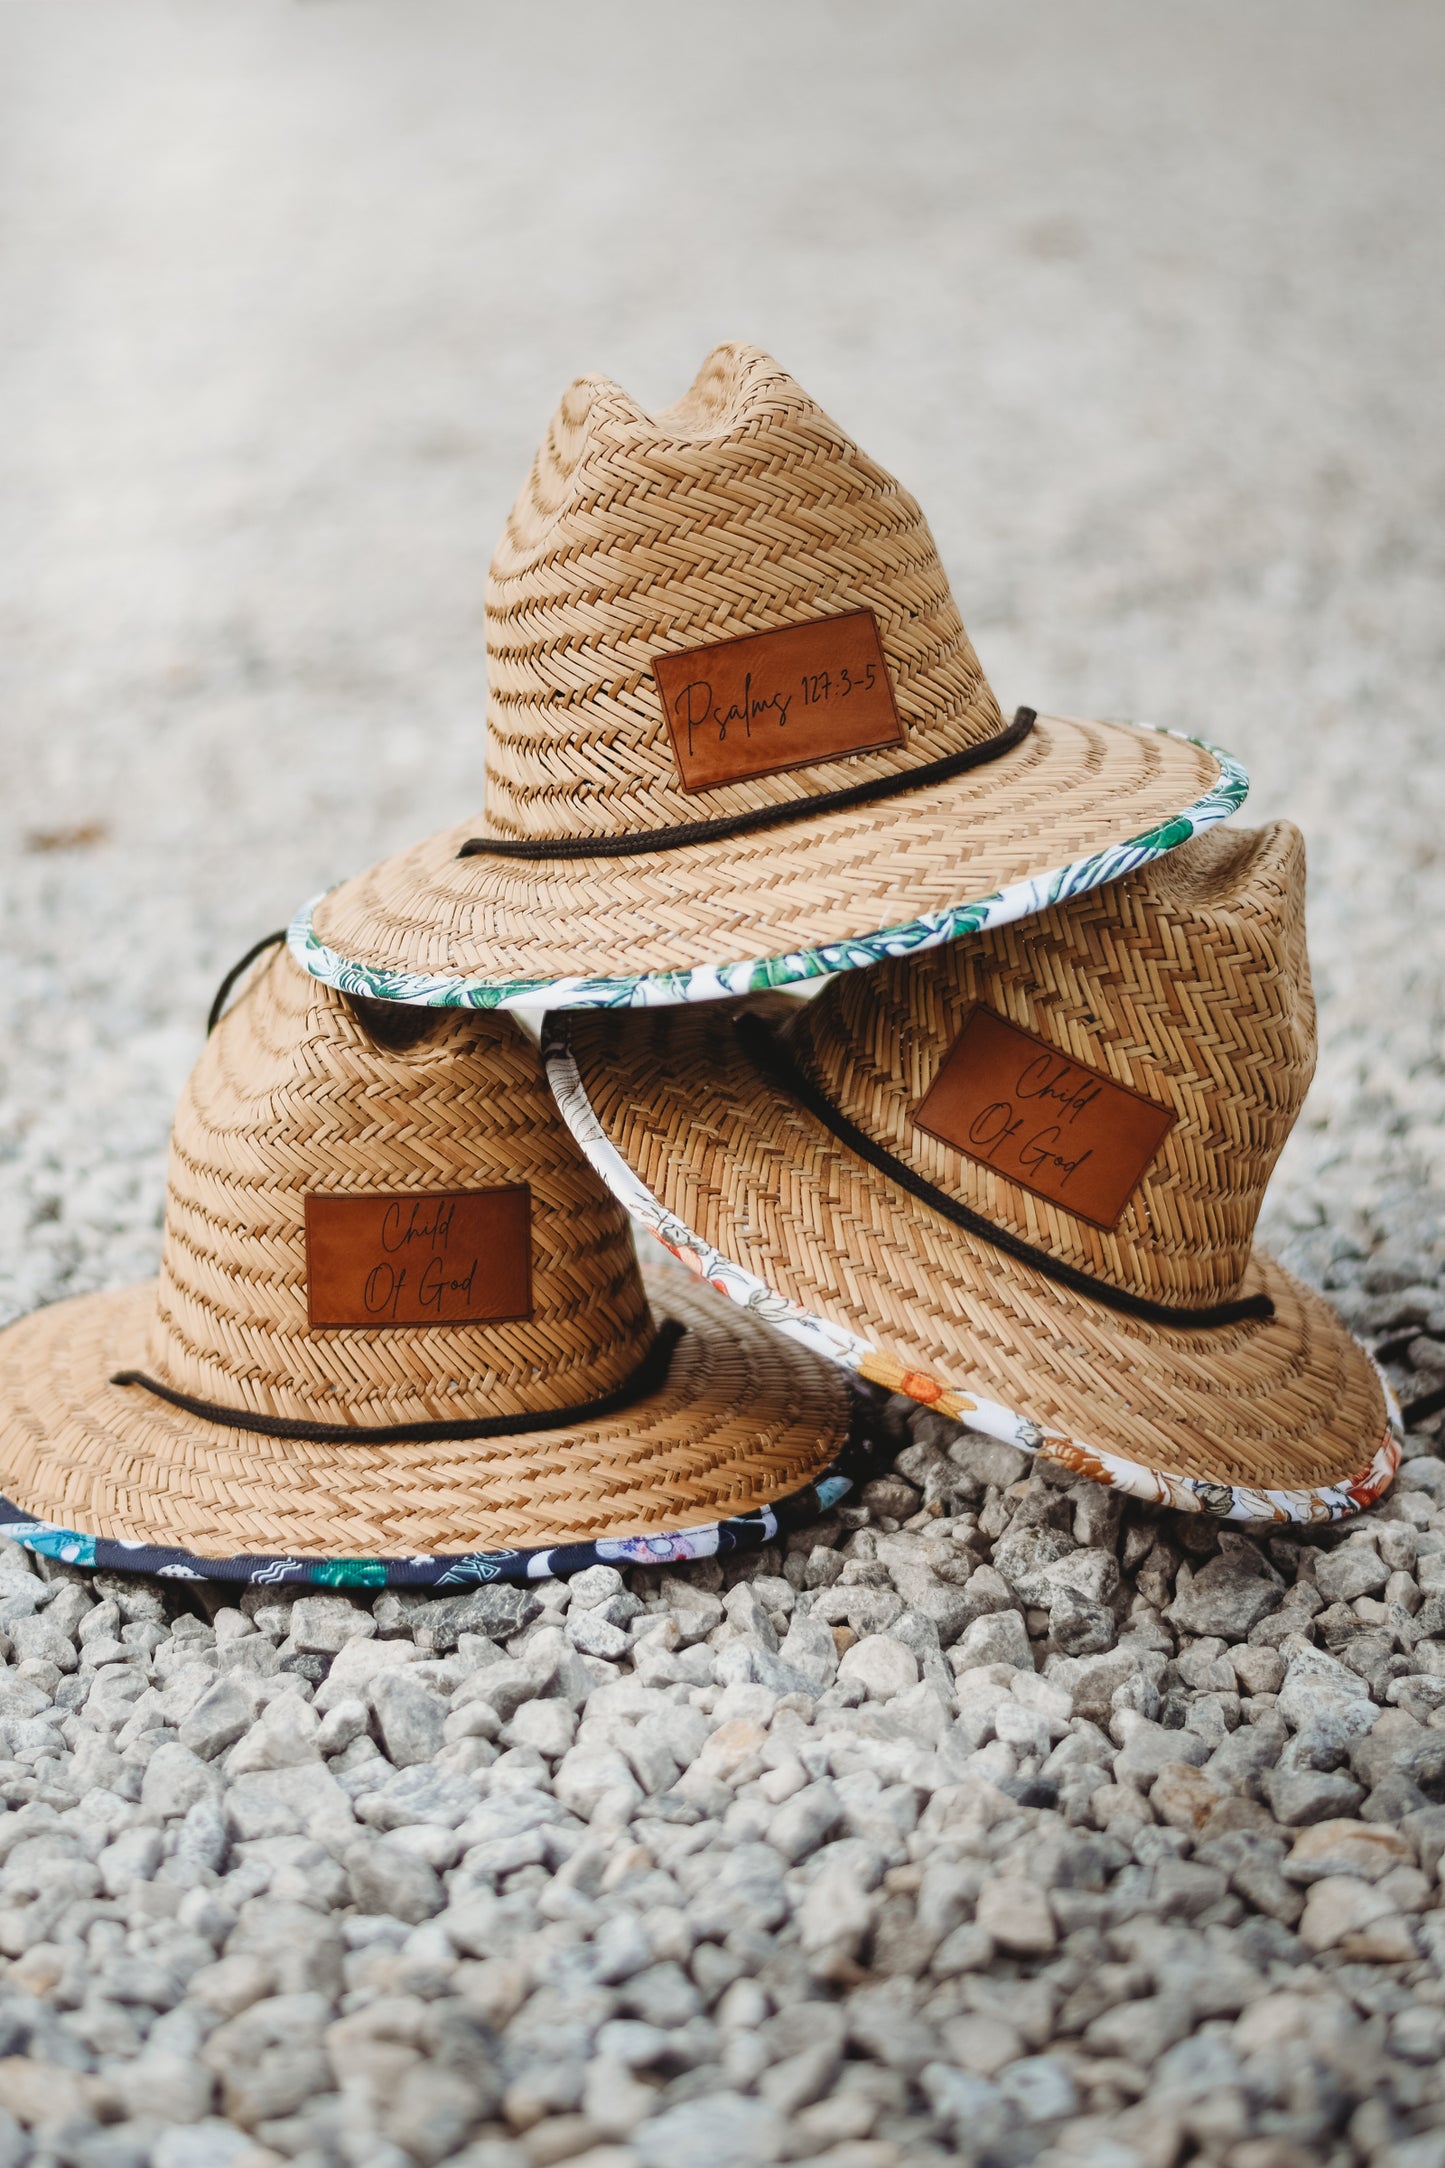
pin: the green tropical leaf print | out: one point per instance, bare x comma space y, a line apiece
1165, 838
771, 971
706, 982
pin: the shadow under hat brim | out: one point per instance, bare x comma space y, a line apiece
1076, 804
1280, 1418
111, 1475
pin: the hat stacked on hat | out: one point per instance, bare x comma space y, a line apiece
736, 733
1018, 1178
1009, 1161
399, 1334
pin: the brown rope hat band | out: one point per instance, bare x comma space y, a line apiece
649, 1377
257, 948
763, 1050
769, 816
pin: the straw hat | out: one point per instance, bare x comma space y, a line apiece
398, 1317
736, 734
1018, 1178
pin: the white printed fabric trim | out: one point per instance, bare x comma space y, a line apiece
714, 982
1186, 1494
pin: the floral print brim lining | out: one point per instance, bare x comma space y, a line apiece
714, 1539
715, 982
1186, 1494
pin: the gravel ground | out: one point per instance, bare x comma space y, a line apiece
993, 1820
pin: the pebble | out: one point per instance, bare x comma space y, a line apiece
409, 1718
881, 1665
1016, 1915
1338, 1906
1298, 1796
1367, 1850
1000, 1637
322, 1625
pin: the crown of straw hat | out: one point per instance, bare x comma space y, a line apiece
1018, 1178
742, 509
736, 733
399, 1333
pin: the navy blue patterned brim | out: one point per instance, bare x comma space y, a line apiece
862, 1457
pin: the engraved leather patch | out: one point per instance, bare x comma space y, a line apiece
1068, 1133
773, 700
460, 1258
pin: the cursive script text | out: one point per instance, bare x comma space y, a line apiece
698, 708
417, 1221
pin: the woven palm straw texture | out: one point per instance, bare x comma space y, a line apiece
741, 508
290, 1095
744, 1419
1173, 984
1187, 981
1070, 789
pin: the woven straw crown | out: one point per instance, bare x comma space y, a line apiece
293, 1096
665, 583
1188, 984
738, 510
285, 1400
1112, 1314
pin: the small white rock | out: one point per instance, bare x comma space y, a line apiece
880, 1665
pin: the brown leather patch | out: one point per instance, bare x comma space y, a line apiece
1016, 1104
772, 700
460, 1258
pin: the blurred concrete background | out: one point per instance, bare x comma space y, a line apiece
1145, 303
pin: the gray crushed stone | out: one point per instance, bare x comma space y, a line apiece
993, 1819
990, 1817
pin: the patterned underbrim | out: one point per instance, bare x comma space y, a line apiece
961, 1395
1079, 804
715, 1539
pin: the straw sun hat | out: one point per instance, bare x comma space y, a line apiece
400, 1335
1018, 1178
736, 734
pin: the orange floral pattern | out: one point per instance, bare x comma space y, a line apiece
1185, 1494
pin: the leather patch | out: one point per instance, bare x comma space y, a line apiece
1016, 1104
460, 1258
773, 700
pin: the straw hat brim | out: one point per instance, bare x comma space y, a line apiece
1282, 1418
113, 1475
1077, 803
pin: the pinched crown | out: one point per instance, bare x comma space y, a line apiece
741, 509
